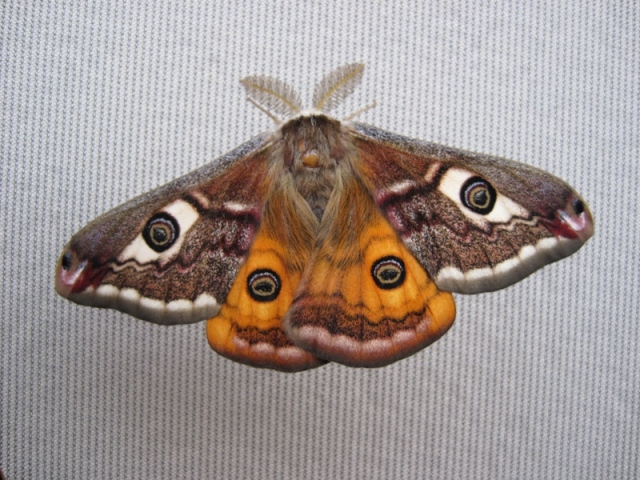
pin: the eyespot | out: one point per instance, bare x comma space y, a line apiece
161, 231
478, 195
388, 272
263, 285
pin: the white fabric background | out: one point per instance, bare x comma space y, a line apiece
101, 101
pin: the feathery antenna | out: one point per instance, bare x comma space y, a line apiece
272, 95
336, 86
275, 97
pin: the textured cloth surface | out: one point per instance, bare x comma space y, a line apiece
101, 101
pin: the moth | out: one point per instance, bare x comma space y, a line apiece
323, 240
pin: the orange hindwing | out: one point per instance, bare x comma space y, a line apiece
365, 300
248, 327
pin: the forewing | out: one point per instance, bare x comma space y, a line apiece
476, 223
171, 255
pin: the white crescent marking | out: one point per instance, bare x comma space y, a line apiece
235, 207
401, 187
503, 210
201, 198
431, 172
141, 253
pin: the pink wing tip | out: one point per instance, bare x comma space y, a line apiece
74, 275
574, 221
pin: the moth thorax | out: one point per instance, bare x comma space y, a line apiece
313, 149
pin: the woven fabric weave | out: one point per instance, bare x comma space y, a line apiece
101, 101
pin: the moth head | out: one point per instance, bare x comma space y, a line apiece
311, 144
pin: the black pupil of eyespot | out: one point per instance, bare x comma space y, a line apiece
388, 272
578, 206
161, 232
480, 197
263, 285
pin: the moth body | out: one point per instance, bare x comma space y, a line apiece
312, 149
323, 240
